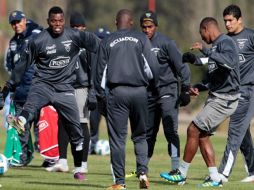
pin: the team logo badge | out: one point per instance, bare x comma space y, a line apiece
67, 45
148, 15
241, 43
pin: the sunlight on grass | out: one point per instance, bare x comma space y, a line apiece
33, 177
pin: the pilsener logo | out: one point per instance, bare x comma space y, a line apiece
59, 62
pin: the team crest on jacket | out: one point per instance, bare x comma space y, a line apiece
67, 45
241, 43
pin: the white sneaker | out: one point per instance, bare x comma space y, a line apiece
248, 179
58, 168
84, 169
223, 178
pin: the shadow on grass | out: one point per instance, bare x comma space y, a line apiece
65, 184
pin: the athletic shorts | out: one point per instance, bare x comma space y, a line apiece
81, 97
214, 112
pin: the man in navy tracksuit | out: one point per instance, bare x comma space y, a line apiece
239, 136
164, 104
54, 53
25, 31
126, 56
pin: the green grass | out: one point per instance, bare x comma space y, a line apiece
33, 177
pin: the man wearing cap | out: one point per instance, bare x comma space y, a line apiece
164, 101
25, 31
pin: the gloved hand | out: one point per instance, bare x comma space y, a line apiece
102, 101
189, 57
184, 98
200, 87
91, 99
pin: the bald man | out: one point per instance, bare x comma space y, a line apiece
223, 85
130, 66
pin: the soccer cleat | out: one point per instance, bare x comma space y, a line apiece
116, 186
79, 176
210, 183
58, 168
132, 174
174, 176
223, 178
143, 181
17, 122
248, 179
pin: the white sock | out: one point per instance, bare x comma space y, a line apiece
184, 167
175, 163
84, 165
77, 169
213, 172
63, 161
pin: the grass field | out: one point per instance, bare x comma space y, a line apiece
33, 177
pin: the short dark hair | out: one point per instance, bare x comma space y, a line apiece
208, 20
55, 10
233, 10
120, 14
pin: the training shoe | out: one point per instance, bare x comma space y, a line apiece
58, 168
210, 183
174, 176
248, 179
79, 176
132, 174
116, 186
48, 163
143, 181
84, 170
17, 122
223, 178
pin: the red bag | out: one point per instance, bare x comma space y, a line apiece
48, 133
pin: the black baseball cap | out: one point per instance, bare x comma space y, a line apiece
149, 16
16, 16
77, 19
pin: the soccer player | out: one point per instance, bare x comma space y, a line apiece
55, 52
25, 31
239, 136
126, 55
163, 102
223, 83
82, 88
